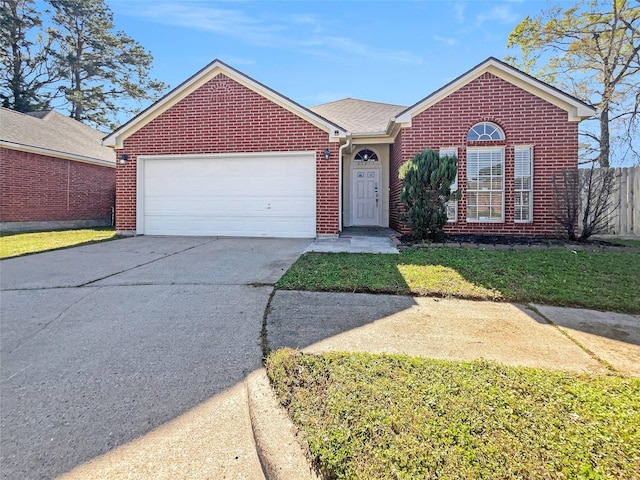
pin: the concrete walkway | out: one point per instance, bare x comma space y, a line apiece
556, 338
357, 240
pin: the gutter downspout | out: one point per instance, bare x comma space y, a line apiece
348, 144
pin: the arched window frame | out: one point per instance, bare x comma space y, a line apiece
485, 165
365, 155
484, 132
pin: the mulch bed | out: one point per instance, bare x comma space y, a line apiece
506, 241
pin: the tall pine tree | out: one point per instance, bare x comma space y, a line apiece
103, 70
27, 76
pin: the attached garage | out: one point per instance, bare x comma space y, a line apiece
224, 155
252, 195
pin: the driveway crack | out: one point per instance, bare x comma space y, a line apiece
146, 263
46, 325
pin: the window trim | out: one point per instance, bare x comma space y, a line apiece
501, 149
359, 158
530, 190
496, 128
452, 151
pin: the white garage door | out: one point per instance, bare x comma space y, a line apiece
254, 195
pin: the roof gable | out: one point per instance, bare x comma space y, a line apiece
576, 109
50, 133
117, 137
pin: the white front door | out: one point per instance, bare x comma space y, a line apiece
365, 196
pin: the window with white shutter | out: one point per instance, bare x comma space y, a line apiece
523, 184
452, 206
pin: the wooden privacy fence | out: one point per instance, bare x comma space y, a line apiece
624, 210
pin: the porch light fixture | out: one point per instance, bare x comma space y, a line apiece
327, 154
123, 159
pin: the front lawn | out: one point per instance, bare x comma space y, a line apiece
15, 244
606, 281
630, 242
390, 416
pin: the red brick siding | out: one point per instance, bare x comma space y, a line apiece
42, 188
525, 120
223, 116
395, 162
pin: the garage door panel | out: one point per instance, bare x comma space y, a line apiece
236, 196
291, 227
269, 207
255, 178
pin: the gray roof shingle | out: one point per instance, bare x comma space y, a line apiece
359, 116
52, 131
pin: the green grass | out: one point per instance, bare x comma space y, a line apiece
15, 244
390, 416
625, 241
606, 281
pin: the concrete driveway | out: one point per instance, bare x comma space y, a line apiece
104, 343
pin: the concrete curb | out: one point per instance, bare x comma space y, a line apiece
281, 453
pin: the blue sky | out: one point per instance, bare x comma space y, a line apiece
315, 52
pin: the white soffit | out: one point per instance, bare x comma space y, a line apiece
117, 137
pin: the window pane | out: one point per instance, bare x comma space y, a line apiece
485, 169
485, 131
518, 213
517, 184
472, 198
451, 211
523, 183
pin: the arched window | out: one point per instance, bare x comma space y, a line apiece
485, 174
366, 155
485, 131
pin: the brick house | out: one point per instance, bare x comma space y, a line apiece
55, 173
223, 154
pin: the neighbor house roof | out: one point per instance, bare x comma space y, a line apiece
359, 116
190, 85
50, 133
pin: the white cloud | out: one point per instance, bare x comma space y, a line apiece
300, 32
459, 9
449, 41
218, 20
500, 14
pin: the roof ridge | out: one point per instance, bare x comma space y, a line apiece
358, 100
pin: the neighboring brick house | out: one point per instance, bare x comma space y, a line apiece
223, 154
55, 173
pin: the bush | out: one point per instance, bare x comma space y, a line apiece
426, 188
